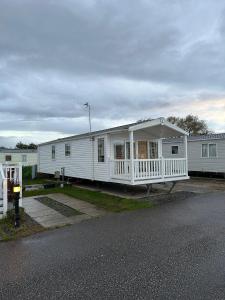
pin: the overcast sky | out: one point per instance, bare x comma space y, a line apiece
130, 59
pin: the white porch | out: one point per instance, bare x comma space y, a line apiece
142, 161
149, 170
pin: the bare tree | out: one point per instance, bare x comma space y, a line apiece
192, 124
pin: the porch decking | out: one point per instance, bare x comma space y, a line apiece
147, 170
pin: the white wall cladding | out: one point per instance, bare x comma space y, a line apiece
79, 163
167, 150
17, 158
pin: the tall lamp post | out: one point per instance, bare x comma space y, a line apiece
87, 105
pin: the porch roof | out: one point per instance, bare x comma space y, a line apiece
159, 128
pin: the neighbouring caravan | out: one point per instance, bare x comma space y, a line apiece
27, 157
132, 154
206, 153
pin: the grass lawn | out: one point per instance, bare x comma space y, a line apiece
36, 181
27, 227
101, 200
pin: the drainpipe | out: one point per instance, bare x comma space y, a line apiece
186, 153
131, 135
92, 139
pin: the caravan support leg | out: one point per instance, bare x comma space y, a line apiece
149, 189
172, 187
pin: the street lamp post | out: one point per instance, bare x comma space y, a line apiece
89, 114
91, 138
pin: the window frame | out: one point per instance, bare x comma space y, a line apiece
8, 155
216, 150
98, 156
172, 149
24, 155
53, 156
208, 156
123, 152
153, 142
66, 151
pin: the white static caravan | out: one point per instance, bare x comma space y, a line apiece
131, 154
27, 157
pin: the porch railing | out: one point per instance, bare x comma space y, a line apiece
148, 168
120, 168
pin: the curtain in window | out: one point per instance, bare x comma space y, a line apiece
153, 150
204, 150
101, 150
212, 150
119, 151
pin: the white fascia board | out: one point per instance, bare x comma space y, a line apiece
174, 127
145, 125
159, 121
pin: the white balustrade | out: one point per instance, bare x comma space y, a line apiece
148, 168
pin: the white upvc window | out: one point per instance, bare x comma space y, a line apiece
119, 151
153, 150
101, 150
24, 158
212, 150
8, 157
122, 150
67, 150
174, 150
209, 150
53, 151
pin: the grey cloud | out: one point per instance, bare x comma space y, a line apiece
129, 59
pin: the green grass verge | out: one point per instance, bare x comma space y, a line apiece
101, 200
35, 181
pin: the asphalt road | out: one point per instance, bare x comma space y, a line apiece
175, 251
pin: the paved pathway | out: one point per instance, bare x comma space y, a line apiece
48, 217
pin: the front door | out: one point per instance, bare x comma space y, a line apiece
142, 150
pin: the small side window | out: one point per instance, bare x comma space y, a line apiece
175, 149
101, 150
24, 158
8, 158
67, 149
53, 151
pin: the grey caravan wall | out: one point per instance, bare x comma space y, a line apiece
197, 163
207, 164
167, 148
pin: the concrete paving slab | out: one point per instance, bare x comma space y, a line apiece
42, 214
82, 206
49, 217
